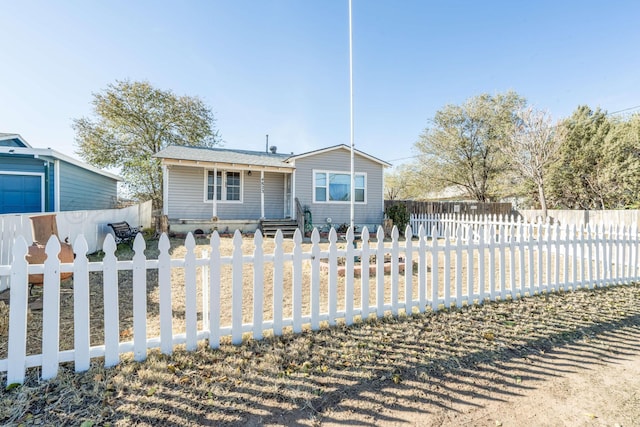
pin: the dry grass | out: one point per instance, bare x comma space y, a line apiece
295, 378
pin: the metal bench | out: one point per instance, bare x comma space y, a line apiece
124, 233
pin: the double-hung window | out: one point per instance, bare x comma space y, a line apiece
226, 186
335, 187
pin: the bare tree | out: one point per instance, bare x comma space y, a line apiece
531, 146
405, 183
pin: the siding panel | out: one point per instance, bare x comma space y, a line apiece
187, 196
370, 214
13, 163
81, 189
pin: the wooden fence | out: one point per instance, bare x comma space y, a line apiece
507, 261
470, 208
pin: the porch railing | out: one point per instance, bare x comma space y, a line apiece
299, 215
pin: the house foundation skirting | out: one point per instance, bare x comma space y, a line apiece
184, 226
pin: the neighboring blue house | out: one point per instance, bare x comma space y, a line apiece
44, 180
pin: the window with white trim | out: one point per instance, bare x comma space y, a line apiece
335, 187
228, 186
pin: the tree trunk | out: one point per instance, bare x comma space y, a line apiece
543, 200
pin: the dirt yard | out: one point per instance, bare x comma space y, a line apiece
568, 358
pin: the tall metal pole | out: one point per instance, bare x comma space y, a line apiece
353, 177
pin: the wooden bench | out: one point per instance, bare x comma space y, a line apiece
123, 232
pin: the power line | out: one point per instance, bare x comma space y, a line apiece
624, 110
404, 158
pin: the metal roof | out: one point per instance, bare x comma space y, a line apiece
223, 155
28, 150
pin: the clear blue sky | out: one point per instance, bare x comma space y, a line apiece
281, 67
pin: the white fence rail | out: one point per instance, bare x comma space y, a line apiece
438, 222
472, 223
91, 224
449, 269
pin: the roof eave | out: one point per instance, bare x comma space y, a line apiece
48, 152
15, 136
238, 165
337, 147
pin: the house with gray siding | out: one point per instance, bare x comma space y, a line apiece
36, 180
224, 189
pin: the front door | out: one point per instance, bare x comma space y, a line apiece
287, 195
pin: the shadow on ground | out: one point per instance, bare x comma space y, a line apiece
370, 373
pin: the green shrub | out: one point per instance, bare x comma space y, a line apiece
399, 215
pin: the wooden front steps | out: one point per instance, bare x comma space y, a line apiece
269, 227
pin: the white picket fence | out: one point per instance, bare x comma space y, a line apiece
442, 270
438, 222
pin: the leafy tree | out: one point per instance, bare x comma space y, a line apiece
460, 148
531, 147
621, 156
578, 177
133, 121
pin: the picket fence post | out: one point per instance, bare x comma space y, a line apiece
51, 310
621, 253
408, 271
492, 262
470, 254
634, 253
110, 298
365, 279
297, 281
191, 293
164, 285
236, 290
278, 283
590, 255
512, 260
215, 267
482, 237
458, 272
315, 279
583, 257
395, 253
422, 269
556, 238
18, 294
598, 267
380, 273
139, 300
531, 282
435, 298
81, 323
333, 277
258, 285
348, 278
502, 259
447, 267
